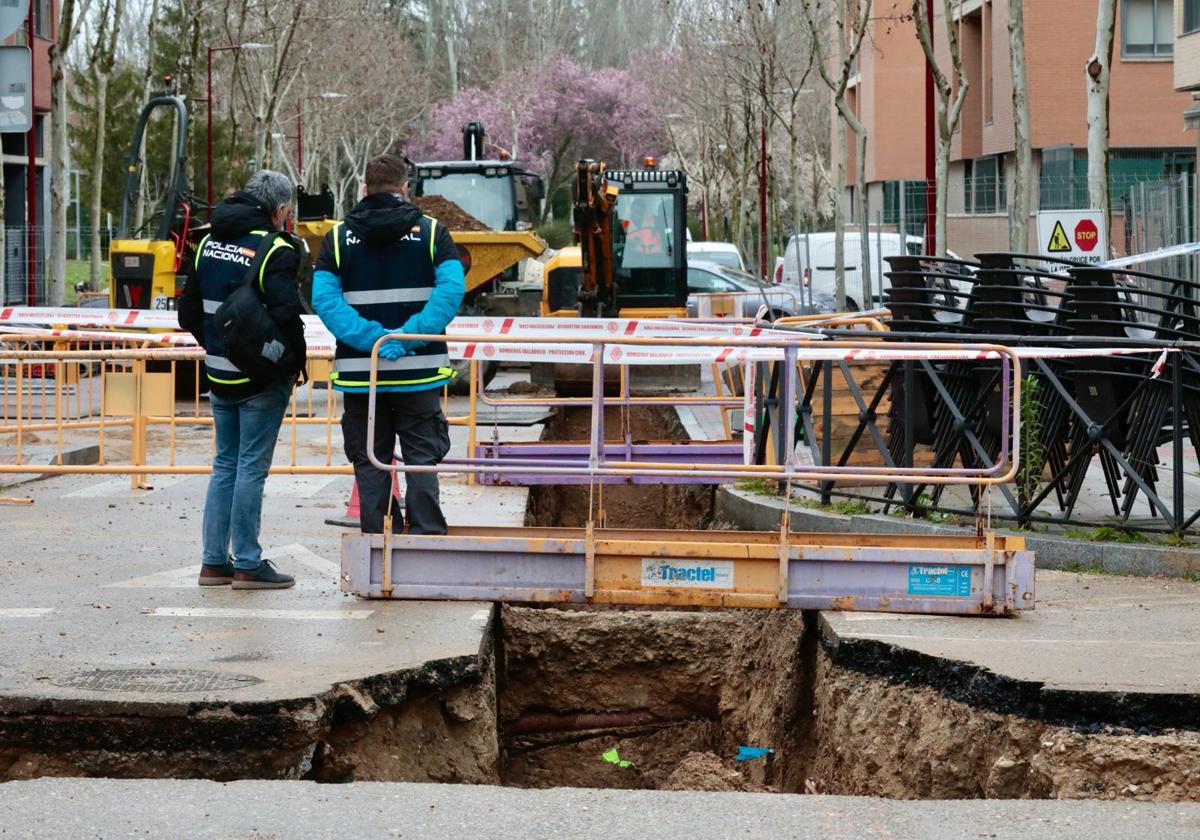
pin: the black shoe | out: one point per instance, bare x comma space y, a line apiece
216, 575
264, 577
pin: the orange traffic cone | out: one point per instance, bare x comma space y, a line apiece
353, 514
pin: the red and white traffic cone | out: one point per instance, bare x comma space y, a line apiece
353, 514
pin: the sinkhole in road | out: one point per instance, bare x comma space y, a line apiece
738, 699
645, 698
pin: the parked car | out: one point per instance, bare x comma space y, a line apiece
725, 253
711, 278
808, 261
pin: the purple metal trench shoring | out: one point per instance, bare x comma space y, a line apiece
501, 456
539, 569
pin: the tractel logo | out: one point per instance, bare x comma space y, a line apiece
668, 574
698, 574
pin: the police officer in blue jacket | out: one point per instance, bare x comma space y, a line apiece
247, 413
389, 269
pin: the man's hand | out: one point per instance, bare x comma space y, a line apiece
392, 350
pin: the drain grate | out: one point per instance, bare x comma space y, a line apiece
155, 680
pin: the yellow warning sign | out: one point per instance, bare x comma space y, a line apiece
1058, 240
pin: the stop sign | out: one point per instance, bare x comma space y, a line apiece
1086, 235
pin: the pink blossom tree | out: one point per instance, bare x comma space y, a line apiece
550, 116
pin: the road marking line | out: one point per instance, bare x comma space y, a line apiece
185, 576
25, 612
119, 487
297, 486
250, 612
305, 555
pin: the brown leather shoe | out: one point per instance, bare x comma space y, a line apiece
216, 575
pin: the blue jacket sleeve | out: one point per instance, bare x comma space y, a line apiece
339, 317
448, 290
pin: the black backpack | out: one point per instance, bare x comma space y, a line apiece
252, 339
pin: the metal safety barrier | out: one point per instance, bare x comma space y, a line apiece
980, 574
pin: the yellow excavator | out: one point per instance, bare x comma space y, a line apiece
630, 261
145, 264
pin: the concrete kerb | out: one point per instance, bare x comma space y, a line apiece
43, 455
750, 511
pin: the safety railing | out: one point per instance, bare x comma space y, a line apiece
784, 350
133, 404
769, 302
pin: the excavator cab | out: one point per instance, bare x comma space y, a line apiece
630, 262
146, 256
650, 243
632, 256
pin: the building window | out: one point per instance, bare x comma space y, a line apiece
41, 18
913, 195
1191, 16
1147, 28
984, 189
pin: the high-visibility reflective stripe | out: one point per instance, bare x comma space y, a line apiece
403, 363
231, 374
220, 363
260, 232
432, 238
387, 296
337, 244
211, 306
196, 263
279, 243
443, 373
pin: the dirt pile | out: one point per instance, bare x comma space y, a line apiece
448, 213
705, 771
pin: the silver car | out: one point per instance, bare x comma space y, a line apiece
712, 286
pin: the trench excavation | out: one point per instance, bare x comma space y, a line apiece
647, 698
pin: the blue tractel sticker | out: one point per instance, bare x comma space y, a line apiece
939, 580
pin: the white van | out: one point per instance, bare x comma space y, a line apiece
808, 259
725, 253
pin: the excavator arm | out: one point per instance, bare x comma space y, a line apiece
595, 205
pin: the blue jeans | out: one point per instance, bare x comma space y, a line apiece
246, 433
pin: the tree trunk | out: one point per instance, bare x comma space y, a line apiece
1018, 235
147, 82
1096, 74
864, 236
59, 187
102, 65
94, 205
839, 222
941, 174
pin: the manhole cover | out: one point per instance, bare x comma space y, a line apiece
156, 680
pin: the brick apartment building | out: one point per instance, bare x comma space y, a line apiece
14, 157
1187, 57
1149, 141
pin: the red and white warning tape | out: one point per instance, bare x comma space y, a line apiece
24, 320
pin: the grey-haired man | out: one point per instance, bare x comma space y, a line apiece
247, 413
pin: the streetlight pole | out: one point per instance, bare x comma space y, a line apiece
209, 101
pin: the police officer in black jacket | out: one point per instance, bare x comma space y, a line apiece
247, 413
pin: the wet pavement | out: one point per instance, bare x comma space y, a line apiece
1088, 633
101, 578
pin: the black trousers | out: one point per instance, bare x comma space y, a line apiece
416, 420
